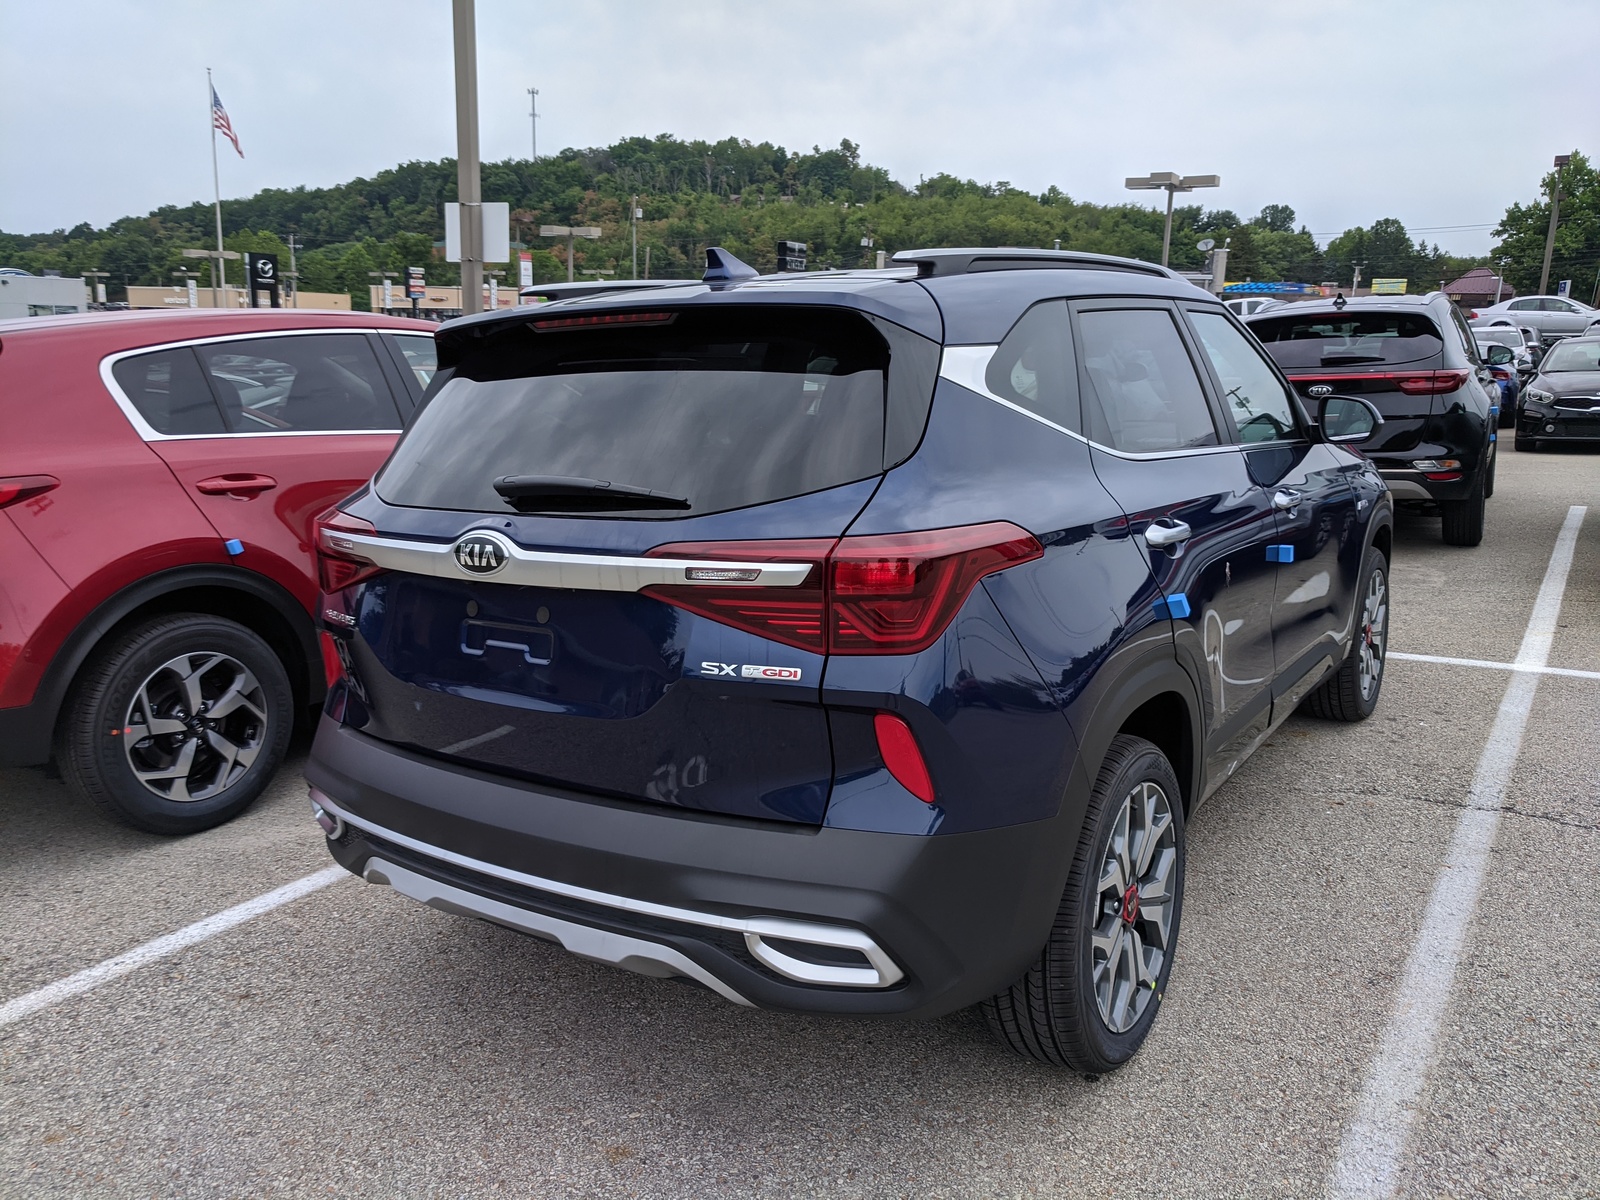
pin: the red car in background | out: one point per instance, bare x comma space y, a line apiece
159, 474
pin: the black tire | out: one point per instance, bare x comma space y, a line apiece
1488, 476
1344, 695
1508, 416
1525, 443
1463, 519
1053, 1013
131, 685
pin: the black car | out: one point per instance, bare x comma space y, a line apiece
845, 642
1562, 403
1416, 361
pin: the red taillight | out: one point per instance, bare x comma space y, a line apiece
1500, 373
339, 562
895, 593
332, 665
898, 747
874, 594
1472, 315
791, 615
1431, 383
16, 488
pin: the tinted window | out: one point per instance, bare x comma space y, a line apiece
722, 407
169, 392
1502, 336
1525, 305
1143, 395
1347, 339
1033, 368
1572, 356
1250, 388
421, 356
316, 382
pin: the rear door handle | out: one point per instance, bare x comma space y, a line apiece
1170, 533
1286, 500
243, 486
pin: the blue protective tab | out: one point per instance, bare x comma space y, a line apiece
1172, 606
233, 546
1280, 554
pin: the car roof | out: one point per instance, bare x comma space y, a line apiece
958, 296
1358, 304
141, 327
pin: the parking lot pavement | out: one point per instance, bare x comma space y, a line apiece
352, 1043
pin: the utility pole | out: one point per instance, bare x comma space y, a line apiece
294, 275
468, 185
635, 219
533, 119
1355, 278
1550, 237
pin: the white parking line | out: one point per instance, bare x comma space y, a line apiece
1489, 664
161, 947
1370, 1154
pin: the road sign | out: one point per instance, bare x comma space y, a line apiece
524, 269
261, 273
1389, 287
791, 256
1564, 288
416, 283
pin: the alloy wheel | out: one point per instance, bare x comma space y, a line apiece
1374, 633
1134, 906
194, 726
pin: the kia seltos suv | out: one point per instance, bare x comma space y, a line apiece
853, 643
159, 473
1562, 403
1415, 360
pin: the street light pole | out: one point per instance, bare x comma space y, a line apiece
533, 119
1550, 236
1171, 183
468, 187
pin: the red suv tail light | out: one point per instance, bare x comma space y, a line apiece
875, 594
1431, 383
339, 563
16, 488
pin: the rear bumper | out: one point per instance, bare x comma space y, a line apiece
808, 919
1407, 484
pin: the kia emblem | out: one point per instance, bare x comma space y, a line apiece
481, 553
1320, 390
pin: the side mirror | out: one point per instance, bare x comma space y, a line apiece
1500, 355
1347, 419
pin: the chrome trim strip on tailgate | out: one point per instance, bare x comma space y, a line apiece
882, 973
549, 568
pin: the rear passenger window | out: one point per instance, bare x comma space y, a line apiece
1034, 368
169, 392
421, 357
321, 383
1143, 395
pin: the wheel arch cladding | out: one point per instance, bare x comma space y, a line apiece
1157, 702
236, 595
1383, 542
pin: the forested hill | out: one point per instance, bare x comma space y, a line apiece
742, 195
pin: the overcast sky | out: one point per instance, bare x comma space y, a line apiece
1438, 112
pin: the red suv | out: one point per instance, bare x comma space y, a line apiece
159, 474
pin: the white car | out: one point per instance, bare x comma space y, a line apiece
1248, 306
1553, 316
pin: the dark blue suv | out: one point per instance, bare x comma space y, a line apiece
845, 642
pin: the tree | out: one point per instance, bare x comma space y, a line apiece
1576, 256
1278, 218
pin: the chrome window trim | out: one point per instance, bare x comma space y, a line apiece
966, 366
883, 973
149, 433
550, 568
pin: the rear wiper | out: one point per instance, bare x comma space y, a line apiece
543, 493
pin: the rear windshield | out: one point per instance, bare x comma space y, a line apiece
1501, 337
719, 407
1347, 339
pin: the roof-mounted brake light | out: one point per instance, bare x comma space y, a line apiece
546, 324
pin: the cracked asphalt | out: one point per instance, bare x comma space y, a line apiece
352, 1043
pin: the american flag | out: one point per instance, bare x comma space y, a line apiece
219, 120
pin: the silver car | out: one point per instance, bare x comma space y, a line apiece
1553, 316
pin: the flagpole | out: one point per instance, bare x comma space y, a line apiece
216, 187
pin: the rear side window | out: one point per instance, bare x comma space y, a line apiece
321, 383
1143, 395
722, 407
170, 393
1034, 368
1347, 339
420, 355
